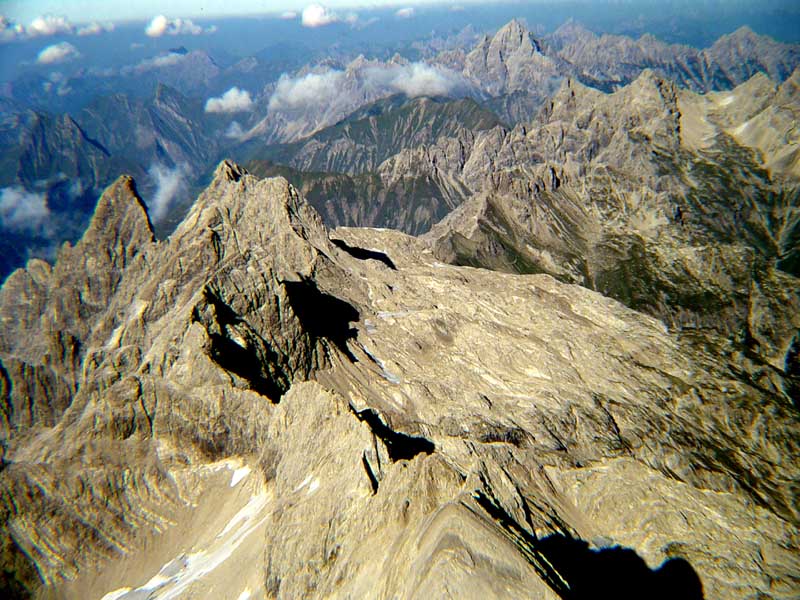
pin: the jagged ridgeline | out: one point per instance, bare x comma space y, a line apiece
681, 206
580, 380
260, 406
55, 164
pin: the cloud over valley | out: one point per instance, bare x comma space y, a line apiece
362, 84
21, 209
234, 100
169, 183
57, 53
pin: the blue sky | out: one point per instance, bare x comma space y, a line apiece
79, 11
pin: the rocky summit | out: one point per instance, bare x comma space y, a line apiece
262, 407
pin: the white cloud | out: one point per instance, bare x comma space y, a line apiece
161, 25
416, 79
21, 209
405, 13
234, 130
289, 15
169, 184
157, 27
316, 15
158, 62
57, 53
49, 25
96, 28
340, 89
234, 100
310, 90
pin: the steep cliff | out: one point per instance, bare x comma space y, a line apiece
260, 407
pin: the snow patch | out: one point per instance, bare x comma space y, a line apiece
385, 373
741, 128
116, 594
306, 481
172, 581
239, 474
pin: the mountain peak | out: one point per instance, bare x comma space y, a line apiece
120, 221
244, 211
228, 170
513, 36
514, 26
572, 28
744, 32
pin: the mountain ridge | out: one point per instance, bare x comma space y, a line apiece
205, 359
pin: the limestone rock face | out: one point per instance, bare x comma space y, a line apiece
609, 61
743, 53
653, 197
48, 314
510, 61
264, 408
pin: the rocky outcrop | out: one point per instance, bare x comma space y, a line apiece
265, 408
49, 313
638, 194
376, 132
411, 201
743, 53
66, 162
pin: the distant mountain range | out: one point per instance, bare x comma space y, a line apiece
170, 143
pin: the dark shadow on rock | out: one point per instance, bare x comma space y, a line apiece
247, 365
400, 446
617, 572
258, 364
19, 578
792, 370
576, 572
364, 254
323, 315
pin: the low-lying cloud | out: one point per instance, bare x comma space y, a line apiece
339, 88
161, 25
309, 90
23, 210
317, 15
57, 53
234, 130
405, 13
57, 82
9, 30
159, 62
170, 183
234, 100
418, 79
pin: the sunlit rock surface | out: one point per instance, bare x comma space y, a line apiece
258, 407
